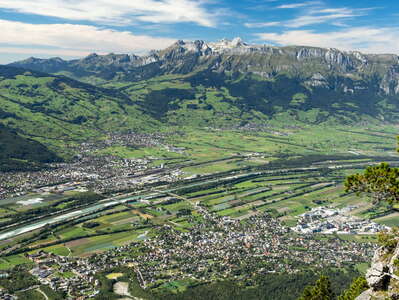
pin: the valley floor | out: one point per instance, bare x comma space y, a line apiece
192, 191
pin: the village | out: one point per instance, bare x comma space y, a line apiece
190, 240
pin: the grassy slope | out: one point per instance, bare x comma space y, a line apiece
20, 153
211, 99
58, 110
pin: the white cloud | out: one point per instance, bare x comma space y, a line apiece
314, 15
317, 19
365, 39
324, 15
118, 12
73, 40
43, 52
298, 5
261, 25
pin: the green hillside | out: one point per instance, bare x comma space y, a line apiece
18, 153
208, 98
226, 83
58, 110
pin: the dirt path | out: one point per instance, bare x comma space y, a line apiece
43, 293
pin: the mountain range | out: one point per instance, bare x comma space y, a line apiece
196, 84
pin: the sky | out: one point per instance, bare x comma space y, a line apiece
76, 28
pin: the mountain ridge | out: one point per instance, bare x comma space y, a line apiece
264, 60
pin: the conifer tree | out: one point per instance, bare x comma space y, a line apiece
381, 182
357, 287
320, 291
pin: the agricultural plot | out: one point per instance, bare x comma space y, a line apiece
58, 250
285, 197
12, 261
389, 220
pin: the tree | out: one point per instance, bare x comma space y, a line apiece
320, 291
381, 182
357, 287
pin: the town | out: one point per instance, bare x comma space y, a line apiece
220, 247
93, 169
215, 247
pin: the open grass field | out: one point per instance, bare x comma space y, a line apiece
103, 242
12, 261
389, 220
114, 275
58, 250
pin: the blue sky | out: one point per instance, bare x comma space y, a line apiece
75, 28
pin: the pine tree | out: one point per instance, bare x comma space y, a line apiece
381, 182
357, 287
320, 291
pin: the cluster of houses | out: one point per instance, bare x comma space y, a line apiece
329, 220
73, 276
89, 170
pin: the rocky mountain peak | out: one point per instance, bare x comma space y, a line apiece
314, 65
92, 55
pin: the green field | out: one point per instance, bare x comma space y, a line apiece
11, 261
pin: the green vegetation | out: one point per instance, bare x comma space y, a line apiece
283, 194
30, 295
19, 153
19, 278
59, 113
388, 240
357, 287
264, 287
380, 181
228, 123
320, 291
382, 184
51, 294
74, 201
10, 262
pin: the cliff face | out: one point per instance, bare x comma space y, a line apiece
383, 275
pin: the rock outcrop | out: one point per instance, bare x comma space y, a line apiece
383, 275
